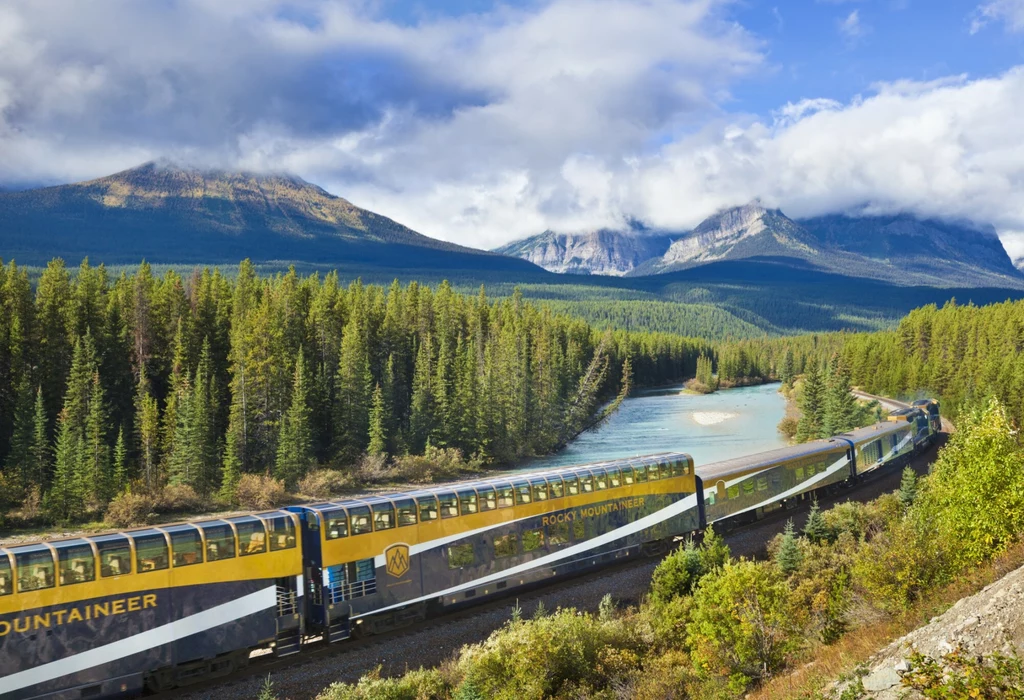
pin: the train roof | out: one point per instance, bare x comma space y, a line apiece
507, 479
871, 432
740, 465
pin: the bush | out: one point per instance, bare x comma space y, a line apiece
179, 498
423, 684
259, 492
436, 464
788, 426
130, 509
676, 574
324, 483
898, 565
374, 468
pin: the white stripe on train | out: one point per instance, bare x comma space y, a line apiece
251, 604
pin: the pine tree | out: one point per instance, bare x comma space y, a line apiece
815, 529
96, 472
184, 457
714, 552
840, 409
64, 499
18, 464
788, 369
204, 416
147, 431
295, 447
789, 556
908, 487
354, 391
421, 419
38, 468
378, 421
812, 405
120, 468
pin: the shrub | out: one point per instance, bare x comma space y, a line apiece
436, 464
788, 426
324, 483
259, 492
896, 566
962, 675
422, 684
742, 623
179, 498
374, 468
676, 574
130, 509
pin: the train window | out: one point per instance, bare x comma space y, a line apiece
627, 476
428, 508
76, 562
586, 483
252, 538
468, 502
186, 548
35, 570
710, 497
640, 472
654, 472
674, 468
488, 499
556, 486
748, 487
505, 496
359, 518
600, 480
220, 542
533, 539
115, 557
6, 582
505, 545
540, 490
383, 516
799, 473
150, 552
572, 486
558, 534
522, 493
337, 524
762, 483
282, 533
449, 505
406, 512
733, 491
614, 478
460, 555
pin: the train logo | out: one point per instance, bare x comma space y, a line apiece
397, 558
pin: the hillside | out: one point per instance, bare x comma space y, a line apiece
165, 213
603, 252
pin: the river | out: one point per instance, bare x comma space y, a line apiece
709, 427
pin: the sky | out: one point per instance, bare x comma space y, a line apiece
482, 122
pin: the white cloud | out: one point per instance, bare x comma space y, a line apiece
1010, 12
851, 26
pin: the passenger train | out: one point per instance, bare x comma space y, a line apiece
155, 608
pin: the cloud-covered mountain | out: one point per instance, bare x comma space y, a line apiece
165, 213
901, 248
602, 252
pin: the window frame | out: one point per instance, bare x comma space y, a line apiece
384, 509
405, 507
331, 516
449, 508
539, 490
600, 480
461, 546
361, 511
112, 545
506, 495
62, 548
555, 484
273, 536
510, 537
485, 503
247, 523
628, 475
518, 487
186, 530
571, 481
29, 554
432, 508
614, 478
640, 473
147, 536
654, 472
586, 479
469, 501
540, 544
6, 574
217, 525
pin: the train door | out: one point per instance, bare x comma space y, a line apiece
312, 567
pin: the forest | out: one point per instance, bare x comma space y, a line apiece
135, 382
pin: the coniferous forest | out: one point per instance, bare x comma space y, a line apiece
135, 382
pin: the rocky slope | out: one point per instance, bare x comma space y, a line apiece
990, 621
167, 213
603, 252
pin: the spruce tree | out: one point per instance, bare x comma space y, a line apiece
96, 473
64, 499
812, 405
714, 552
421, 420
908, 487
295, 447
40, 456
815, 529
120, 466
18, 464
354, 391
788, 369
378, 421
147, 431
840, 409
789, 556
184, 457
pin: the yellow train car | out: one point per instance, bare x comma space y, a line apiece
156, 607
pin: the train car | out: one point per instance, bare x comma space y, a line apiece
745, 488
930, 407
380, 562
881, 444
111, 614
918, 419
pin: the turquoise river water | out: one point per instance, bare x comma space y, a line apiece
710, 428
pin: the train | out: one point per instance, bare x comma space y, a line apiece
156, 608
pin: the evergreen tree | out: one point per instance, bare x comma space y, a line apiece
96, 471
815, 529
63, 501
840, 409
788, 369
421, 419
789, 556
120, 466
185, 456
908, 487
18, 464
714, 552
38, 467
812, 405
147, 431
295, 448
354, 391
378, 421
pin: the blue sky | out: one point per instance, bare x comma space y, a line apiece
482, 122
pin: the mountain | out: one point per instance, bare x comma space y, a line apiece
602, 252
166, 213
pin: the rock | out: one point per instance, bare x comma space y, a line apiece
882, 679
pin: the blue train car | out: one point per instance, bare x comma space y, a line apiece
108, 615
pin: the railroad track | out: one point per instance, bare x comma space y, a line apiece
433, 641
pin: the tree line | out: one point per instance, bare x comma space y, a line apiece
139, 381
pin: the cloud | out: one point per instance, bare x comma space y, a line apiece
1010, 12
851, 27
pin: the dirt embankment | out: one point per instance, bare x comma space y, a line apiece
989, 621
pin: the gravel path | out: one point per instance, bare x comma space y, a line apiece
438, 640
